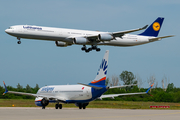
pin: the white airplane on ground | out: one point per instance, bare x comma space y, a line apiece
80, 94
67, 37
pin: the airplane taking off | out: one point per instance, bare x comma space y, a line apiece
80, 94
67, 37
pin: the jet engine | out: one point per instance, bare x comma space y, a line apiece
81, 105
62, 44
105, 37
41, 101
44, 102
80, 40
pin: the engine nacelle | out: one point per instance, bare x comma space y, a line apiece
62, 44
39, 101
81, 104
105, 37
80, 40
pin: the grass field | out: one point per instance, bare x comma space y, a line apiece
94, 104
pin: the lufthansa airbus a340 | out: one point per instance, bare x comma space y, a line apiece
80, 94
67, 37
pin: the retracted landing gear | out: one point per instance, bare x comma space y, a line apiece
94, 47
19, 40
58, 106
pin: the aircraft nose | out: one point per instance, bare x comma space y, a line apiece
6, 30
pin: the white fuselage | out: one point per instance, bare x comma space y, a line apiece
66, 35
66, 92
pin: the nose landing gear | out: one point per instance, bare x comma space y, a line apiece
19, 40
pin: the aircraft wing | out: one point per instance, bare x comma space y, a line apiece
121, 33
118, 34
159, 38
35, 95
116, 95
113, 34
122, 86
21, 93
51, 97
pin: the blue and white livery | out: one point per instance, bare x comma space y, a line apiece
80, 94
67, 37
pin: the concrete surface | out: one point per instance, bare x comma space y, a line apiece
33, 113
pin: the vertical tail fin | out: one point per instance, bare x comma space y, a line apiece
154, 28
102, 71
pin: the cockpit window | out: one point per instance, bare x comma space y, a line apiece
10, 28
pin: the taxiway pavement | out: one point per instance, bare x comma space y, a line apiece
33, 113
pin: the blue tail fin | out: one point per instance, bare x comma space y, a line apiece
101, 74
154, 28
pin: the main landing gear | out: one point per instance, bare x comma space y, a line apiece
94, 47
58, 106
19, 40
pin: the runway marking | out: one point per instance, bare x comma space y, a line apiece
108, 117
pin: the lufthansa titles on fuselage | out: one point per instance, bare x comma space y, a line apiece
30, 27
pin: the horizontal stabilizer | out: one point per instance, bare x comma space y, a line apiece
95, 87
159, 38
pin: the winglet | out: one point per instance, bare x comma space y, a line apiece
149, 88
5, 88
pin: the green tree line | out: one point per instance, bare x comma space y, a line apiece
170, 94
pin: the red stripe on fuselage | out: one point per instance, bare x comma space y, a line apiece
96, 81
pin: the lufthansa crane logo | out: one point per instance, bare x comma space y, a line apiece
156, 26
